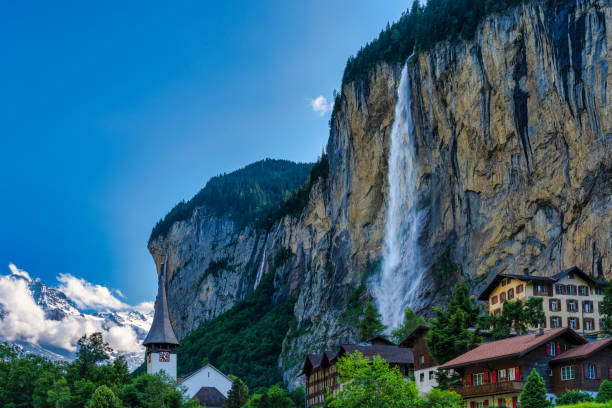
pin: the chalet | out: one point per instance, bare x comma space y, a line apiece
493, 374
322, 374
572, 298
425, 364
582, 368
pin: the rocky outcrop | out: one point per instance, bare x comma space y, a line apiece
514, 141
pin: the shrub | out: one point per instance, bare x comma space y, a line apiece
574, 397
605, 391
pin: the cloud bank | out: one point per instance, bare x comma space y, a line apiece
321, 105
25, 320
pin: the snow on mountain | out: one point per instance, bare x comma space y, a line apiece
123, 329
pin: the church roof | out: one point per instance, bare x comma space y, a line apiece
161, 330
210, 397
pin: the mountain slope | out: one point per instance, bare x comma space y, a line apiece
513, 140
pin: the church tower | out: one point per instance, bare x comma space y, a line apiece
161, 342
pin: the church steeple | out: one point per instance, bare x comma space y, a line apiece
161, 342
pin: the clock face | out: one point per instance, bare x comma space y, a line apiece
164, 357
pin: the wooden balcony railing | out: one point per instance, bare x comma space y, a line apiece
490, 389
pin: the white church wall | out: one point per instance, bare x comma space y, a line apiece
207, 376
154, 366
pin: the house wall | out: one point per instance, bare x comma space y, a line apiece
425, 379
503, 287
580, 314
318, 381
502, 400
155, 366
207, 376
602, 359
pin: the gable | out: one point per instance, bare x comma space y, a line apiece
207, 376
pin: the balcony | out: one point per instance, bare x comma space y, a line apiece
490, 389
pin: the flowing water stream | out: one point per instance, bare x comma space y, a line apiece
401, 274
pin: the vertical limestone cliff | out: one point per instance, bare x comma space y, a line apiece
514, 142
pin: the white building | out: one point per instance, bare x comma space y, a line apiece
207, 376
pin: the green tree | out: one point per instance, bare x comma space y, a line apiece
606, 311
534, 392
605, 391
274, 397
91, 351
238, 395
371, 324
298, 395
516, 316
58, 395
573, 397
104, 397
438, 398
372, 384
411, 322
454, 331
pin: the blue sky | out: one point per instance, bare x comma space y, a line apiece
112, 112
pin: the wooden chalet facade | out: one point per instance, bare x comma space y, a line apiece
425, 365
322, 373
494, 374
571, 298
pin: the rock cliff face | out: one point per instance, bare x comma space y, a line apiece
514, 142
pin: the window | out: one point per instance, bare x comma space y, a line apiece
570, 290
541, 288
591, 372
497, 312
511, 373
559, 289
572, 323
567, 373
588, 324
570, 276
504, 281
554, 305
552, 349
583, 290
501, 375
502, 296
572, 305
550, 372
555, 322
511, 293
478, 378
422, 377
422, 359
598, 291
587, 307
431, 375
494, 300
599, 307
519, 288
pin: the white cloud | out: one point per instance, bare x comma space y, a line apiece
25, 320
19, 272
321, 105
87, 295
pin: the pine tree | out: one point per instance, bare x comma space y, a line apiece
605, 392
534, 392
454, 330
104, 397
238, 395
411, 322
371, 325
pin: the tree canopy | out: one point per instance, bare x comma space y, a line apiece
516, 316
371, 324
411, 322
534, 392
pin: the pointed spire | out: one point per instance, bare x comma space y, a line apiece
161, 330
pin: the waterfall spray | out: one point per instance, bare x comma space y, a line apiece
261, 268
401, 273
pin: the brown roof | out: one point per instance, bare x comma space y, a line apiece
392, 354
512, 347
210, 397
582, 351
414, 335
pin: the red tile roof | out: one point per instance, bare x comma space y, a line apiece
514, 346
582, 351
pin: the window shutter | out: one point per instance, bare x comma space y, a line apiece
543, 324
472, 404
598, 372
499, 402
575, 289
486, 377
514, 402
494, 376
550, 289
586, 371
567, 304
610, 372
592, 306
552, 324
550, 304
558, 348
577, 324
516, 373
486, 403
563, 290
548, 351
469, 380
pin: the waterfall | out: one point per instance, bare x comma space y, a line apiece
261, 268
400, 278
